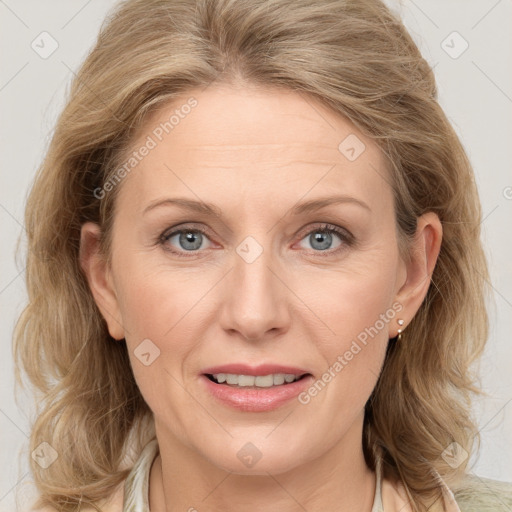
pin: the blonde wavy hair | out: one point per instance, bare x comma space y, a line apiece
357, 58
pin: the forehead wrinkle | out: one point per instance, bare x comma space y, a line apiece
229, 147
321, 164
262, 153
279, 150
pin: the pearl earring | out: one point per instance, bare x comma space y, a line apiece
400, 322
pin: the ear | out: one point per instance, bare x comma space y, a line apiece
100, 278
424, 253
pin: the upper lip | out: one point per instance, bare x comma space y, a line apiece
262, 369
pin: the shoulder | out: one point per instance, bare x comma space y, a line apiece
472, 494
477, 494
113, 504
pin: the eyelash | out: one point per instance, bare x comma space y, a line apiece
345, 236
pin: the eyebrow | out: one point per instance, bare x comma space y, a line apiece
211, 209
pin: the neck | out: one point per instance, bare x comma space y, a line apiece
338, 480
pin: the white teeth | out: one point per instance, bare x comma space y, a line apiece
231, 379
246, 380
261, 381
279, 379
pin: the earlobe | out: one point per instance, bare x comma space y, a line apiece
424, 253
99, 278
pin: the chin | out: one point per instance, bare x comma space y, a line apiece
247, 459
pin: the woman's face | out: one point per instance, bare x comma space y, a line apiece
258, 282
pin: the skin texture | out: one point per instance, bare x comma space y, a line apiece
255, 153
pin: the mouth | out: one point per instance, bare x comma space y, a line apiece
255, 393
260, 388
271, 380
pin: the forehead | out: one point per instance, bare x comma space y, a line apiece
261, 139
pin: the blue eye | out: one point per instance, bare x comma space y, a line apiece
321, 239
190, 240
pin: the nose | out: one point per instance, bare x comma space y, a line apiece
255, 296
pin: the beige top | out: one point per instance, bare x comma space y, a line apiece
136, 485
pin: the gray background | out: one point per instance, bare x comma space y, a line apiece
475, 89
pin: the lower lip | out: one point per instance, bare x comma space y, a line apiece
256, 400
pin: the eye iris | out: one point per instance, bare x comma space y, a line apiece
320, 236
190, 237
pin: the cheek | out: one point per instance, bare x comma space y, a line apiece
356, 312
352, 298
154, 296
172, 308
154, 310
